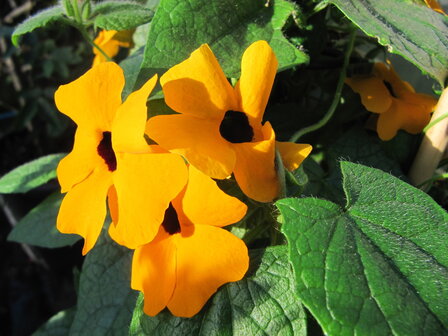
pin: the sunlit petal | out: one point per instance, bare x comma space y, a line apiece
205, 204
154, 272
145, 185
293, 154
91, 101
197, 139
197, 86
258, 69
129, 125
207, 258
82, 160
254, 169
83, 209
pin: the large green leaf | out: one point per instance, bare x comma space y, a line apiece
38, 227
30, 175
57, 325
229, 27
40, 19
120, 15
413, 31
378, 266
263, 303
105, 299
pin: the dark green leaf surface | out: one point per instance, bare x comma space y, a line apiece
229, 27
377, 266
40, 19
120, 15
38, 227
416, 32
30, 175
57, 325
105, 299
263, 303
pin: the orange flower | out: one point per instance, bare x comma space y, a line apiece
110, 42
434, 5
220, 128
110, 157
191, 256
396, 102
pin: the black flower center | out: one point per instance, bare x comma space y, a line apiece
390, 89
106, 152
235, 127
170, 221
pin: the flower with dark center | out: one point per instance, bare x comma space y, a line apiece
396, 102
111, 160
219, 128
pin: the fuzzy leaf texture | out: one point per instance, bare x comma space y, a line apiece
416, 32
57, 325
377, 266
30, 175
262, 303
38, 227
229, 27
38, 20
120, 15
105, 299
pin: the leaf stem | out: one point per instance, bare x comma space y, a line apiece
433, 144
337, 95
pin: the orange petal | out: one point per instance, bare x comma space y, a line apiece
154, 272
197, 139
197, 86
82, 160
92, 100
216, 208
145, 184
415, 117
374, 94
389, 122
254, 169
83, 209
129, 125
207, 258
258, 69
293, 154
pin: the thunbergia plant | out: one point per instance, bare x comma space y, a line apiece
249, 167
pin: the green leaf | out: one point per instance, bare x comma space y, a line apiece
262, 303
416, 32
105, 299
229, 27
131, 69
378, 266
120, 15
38, 227
38, 20
30, 175
57, 325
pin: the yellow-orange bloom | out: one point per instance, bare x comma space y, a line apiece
110, 42
191, 256
220, 128
110, 157
396, 102
434, 4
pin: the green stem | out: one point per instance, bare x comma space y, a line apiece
280, 174
337, 95
83, 31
